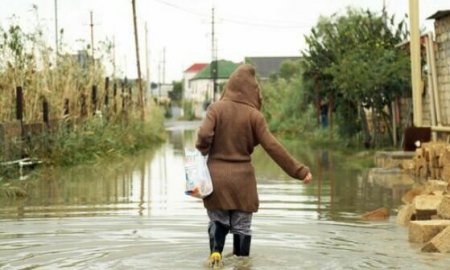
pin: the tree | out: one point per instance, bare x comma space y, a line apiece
177, 93
354, 62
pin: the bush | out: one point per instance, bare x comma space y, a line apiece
189, 112
101, 139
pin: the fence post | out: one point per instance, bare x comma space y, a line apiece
94, 99
114, 97
107, 91
66, 107
19, 116
19, 103
130, 98
45, 118
124, 83
45, 112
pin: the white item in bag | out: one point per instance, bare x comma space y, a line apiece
198, 179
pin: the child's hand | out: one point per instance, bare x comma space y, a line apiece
307, 179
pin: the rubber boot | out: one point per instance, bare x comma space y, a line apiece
217, 235
241, 244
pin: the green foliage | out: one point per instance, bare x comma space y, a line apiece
99, 139
177, 93
287, 112
353, 60
352, 64
289, 69
188, 108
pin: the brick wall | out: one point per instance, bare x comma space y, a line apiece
442, 31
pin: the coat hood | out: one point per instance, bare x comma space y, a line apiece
243, 87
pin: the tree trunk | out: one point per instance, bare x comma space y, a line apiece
330, 114
365, 128
318, 101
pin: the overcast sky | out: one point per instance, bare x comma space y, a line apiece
182, 29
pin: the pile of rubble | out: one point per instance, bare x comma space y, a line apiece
426, 209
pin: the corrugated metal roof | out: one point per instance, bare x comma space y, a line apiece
269, 65
440, 14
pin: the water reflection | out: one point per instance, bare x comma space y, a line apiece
152, 184
134, 214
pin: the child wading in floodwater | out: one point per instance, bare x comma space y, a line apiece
232, 128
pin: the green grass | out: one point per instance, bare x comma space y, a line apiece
99, 139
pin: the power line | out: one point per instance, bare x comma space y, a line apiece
182, 8
56, 29
265, 25
278, 24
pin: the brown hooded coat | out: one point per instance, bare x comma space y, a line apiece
232, 128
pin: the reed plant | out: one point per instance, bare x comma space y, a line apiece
28, 61
81, 128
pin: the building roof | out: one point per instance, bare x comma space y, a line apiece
266, 65
196, 67
225, 69
440, 14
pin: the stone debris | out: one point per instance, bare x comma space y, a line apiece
377, 214
439, 243
426, 209
409, 196
405, 214
422, 231
443, 209
425, 206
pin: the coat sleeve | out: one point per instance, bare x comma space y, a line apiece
276, 150
205, 134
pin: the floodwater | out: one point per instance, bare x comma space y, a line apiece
134, 215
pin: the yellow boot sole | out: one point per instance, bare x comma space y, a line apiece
215, 260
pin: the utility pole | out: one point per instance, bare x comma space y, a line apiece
92, 40
136, 41
114, 57
159, 79
147, 68
415, 61
214, 65
164, 66
56, 31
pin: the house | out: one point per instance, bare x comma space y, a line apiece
201, 85
188, 74
442, 73
267, 66
160, 92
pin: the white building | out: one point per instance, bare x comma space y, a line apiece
201, 85
190, 93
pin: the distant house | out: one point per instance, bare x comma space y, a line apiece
160, 92
188, 74
201, 85
267, 66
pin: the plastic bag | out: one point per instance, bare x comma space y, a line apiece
198, 179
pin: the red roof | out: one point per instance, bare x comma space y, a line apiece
196, 67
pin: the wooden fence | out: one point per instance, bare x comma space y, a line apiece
16, 135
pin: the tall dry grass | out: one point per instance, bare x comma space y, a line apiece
27, 60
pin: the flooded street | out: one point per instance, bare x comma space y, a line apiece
134, 215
